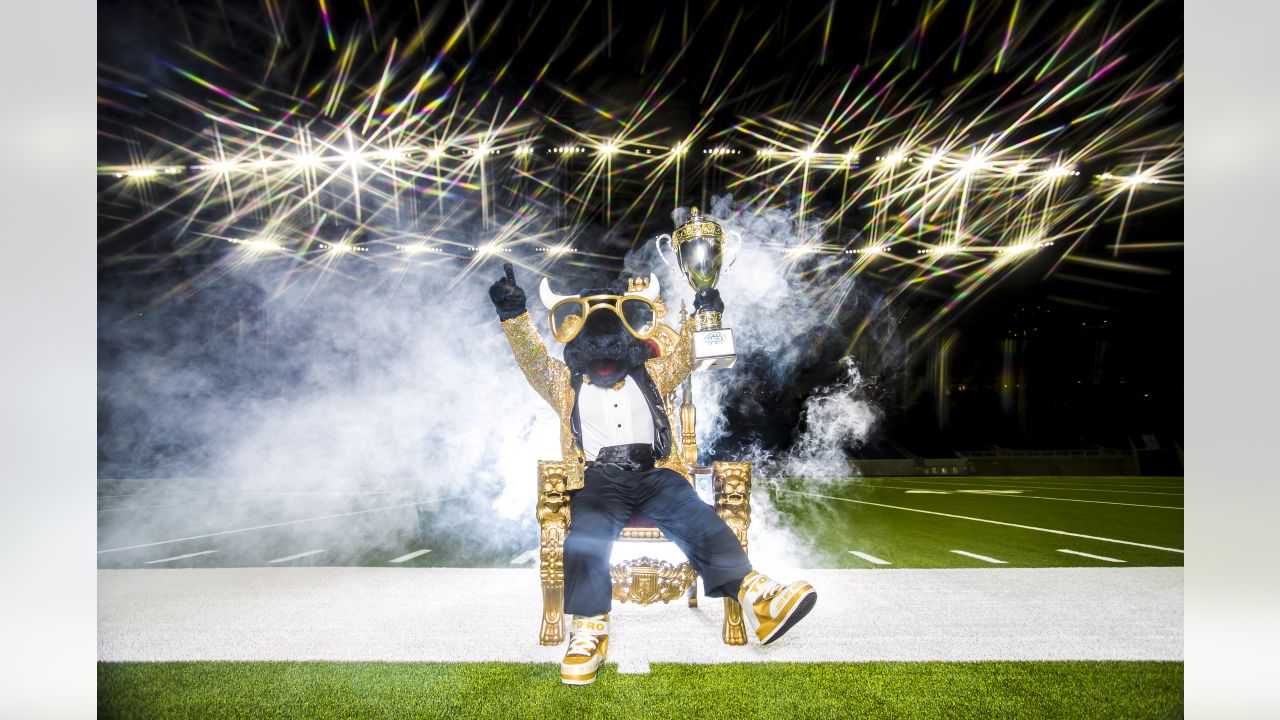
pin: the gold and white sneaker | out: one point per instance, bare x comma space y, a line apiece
588, 645
770, 608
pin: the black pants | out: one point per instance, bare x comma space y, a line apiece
599, 511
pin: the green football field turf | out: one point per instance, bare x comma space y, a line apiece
880, 517
509, 690
918, 522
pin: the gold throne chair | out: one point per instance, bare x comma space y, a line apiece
644, 580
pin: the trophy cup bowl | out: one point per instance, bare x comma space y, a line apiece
699, 248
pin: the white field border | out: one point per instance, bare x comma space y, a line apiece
491, 614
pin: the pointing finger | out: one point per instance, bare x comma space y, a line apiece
511, 273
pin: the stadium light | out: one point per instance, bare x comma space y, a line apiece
261, 245
974, 163
306, 160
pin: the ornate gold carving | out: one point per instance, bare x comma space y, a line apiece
731, 484
553, 519
688, 427
645, 580
696, 226
735, 632
642, 533
707, 320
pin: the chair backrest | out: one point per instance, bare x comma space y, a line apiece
685, 443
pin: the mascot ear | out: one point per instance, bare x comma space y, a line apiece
549, 298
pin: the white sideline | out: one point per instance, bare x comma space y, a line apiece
985, 520
457, 614
409, 556
976, 556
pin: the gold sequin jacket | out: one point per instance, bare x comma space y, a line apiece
550, 378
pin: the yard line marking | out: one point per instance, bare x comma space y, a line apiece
179, 557
1127, 480
1030, 487
525, 557
279, 524
1098, 502
869, 558
410, 556
287, 558
911, 491
275, 525
1095, 557
983, 558
984, 520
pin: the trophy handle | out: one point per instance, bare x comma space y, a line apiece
737, 249
665, 259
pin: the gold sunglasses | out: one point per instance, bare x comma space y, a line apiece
638, 314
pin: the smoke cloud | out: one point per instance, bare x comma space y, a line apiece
270, 392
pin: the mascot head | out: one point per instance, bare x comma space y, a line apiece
606, 332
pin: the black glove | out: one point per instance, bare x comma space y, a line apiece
708, 299
507, 296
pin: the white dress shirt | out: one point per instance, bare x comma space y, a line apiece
613, 417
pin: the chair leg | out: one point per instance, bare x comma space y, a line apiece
552, 631
693, 593
735, 632
553, 521
551, 570
731, 484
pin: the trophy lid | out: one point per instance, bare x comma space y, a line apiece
697, 226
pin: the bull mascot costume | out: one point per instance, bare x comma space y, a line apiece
614, 432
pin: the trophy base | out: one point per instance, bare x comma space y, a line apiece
713, 349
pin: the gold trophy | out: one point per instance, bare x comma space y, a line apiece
699, 247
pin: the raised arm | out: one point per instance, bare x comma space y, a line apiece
670, 369
548, 376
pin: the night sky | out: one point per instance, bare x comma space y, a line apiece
1089, 335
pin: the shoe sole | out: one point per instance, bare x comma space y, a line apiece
586, 679
803, 606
